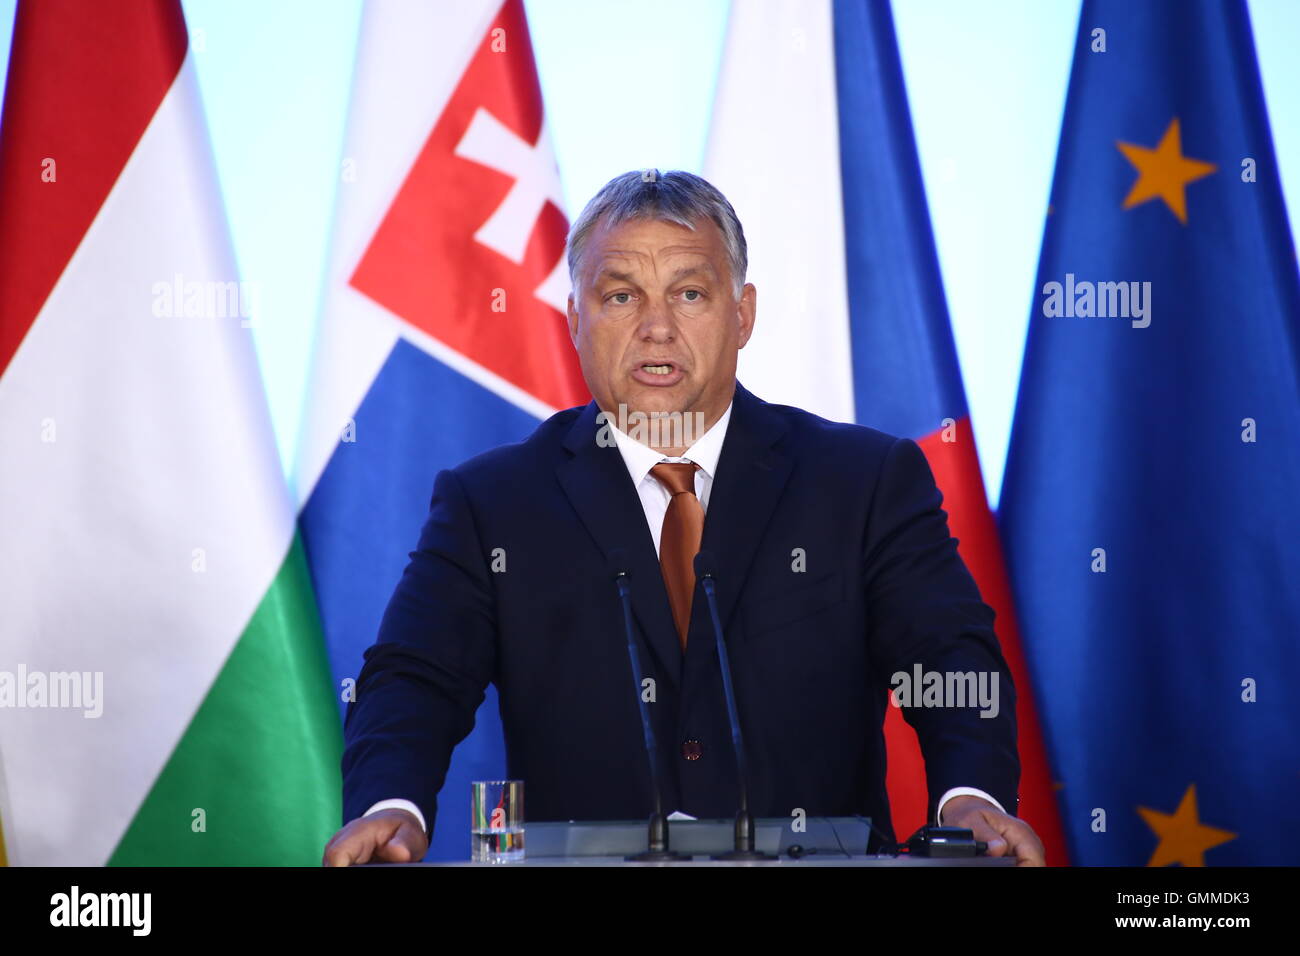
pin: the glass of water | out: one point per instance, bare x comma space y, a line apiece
497, 821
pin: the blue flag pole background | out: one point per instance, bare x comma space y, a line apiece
1149, 509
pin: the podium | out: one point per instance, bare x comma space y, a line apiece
825, 841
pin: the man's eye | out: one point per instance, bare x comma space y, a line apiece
621, 301
693, 292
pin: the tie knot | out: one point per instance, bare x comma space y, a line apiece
677, 477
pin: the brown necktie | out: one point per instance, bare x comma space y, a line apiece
679, 541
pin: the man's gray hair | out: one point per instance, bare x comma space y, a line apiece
675, 196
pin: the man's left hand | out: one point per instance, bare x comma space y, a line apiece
1006, 835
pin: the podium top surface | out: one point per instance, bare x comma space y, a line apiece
817, 841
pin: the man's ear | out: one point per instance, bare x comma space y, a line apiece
746, 310
573, 321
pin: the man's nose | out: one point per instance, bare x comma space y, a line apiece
658, 324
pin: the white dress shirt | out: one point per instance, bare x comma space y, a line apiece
639, 459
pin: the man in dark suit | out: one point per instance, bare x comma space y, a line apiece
835, 573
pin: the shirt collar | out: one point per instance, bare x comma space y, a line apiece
706, 451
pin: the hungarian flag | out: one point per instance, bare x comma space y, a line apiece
444, 332
1149, 506
162, 681
812, 143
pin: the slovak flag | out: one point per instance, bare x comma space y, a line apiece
443, 333
812, 143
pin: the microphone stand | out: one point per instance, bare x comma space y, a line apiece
744, 846
657, 850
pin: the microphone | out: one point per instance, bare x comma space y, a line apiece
744, 849
657, 838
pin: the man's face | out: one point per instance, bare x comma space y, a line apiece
654, 319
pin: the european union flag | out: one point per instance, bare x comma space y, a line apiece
1150, 504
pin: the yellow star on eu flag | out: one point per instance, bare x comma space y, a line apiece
1164, 172
1183, 838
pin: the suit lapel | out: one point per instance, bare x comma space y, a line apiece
751, 477
597, 484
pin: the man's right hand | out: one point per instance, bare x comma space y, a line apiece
386, 836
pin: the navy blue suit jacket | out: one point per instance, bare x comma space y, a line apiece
812, 650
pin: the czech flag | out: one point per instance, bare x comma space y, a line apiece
812, 143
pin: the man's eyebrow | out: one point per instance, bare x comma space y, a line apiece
680, 273
701, 268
